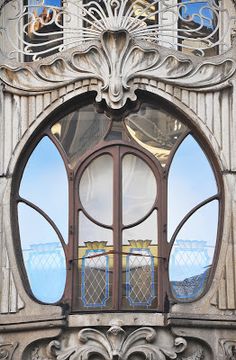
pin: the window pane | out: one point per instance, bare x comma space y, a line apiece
191, 180
192, 254
155, 130
147, 231
43, 28
80, 131
91, 233
43, 255
198, 21
139, 264
144, 11
139, 189
95, 265
45, 184
96, 189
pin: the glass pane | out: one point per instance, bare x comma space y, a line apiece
139, 265
139, 189
155, 130
117, 132
191, 180
96, 189
143, 10
43, 23
80, 131
90, 233
192, 254
45, 184
43, 255
95, 279
146, 231
197, 25
95, 264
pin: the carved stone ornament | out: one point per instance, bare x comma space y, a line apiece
115, 61
7, 350
116, 344
229, 349
116, 48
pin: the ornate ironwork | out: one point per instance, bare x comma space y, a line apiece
37, 30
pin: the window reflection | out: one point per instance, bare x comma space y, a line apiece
79, 131
139, 264
139, 189
45, 184
43, 27
43, 255
144, 10
155, 130
191, 180
95, 264
197, 25
192, 254
96, 189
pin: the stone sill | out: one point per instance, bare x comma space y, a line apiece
125, 319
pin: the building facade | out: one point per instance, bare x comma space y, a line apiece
117, 180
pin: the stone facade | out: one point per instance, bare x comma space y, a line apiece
204, 91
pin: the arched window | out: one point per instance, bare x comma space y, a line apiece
117, 215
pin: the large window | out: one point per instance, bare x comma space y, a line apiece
117, 215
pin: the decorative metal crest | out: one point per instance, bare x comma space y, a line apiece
116, 344
39, 29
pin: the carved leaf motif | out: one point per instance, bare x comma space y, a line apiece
7, 350
115, 61
117, 345
198, 355
229, 348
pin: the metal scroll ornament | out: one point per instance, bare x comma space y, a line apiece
37, 29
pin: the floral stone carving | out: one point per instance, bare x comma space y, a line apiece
7, 350
117, 344
229, 349
115, 61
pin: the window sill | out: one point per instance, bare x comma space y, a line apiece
125, 319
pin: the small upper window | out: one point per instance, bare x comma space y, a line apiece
117, 216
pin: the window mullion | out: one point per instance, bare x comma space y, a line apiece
117, 229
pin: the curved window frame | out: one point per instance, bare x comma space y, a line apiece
165, 295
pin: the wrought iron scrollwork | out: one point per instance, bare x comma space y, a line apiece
37, 29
